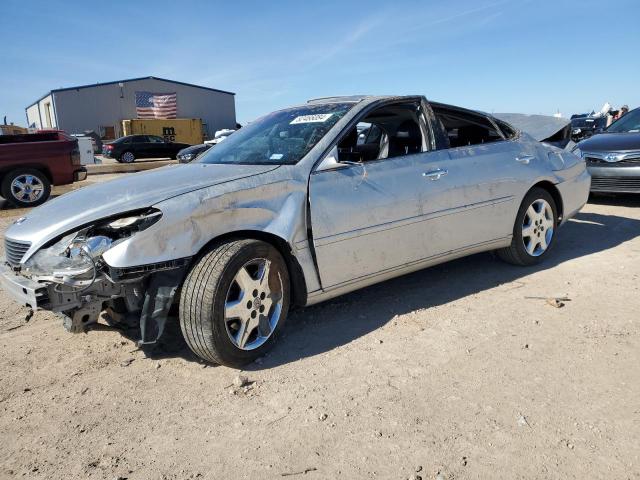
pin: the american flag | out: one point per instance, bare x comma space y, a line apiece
156, 105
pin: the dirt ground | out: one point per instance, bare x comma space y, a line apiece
453, 370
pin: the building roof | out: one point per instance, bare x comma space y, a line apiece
125, 81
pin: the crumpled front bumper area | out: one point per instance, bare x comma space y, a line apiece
148, 294
79, 307
23, 290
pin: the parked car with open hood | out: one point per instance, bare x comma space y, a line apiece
127, 149
613, 157
293, 209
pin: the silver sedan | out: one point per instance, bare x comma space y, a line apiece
300, 206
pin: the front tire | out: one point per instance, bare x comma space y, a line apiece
234, 302
25, 187
534, 230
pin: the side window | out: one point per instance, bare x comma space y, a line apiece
388, 132
139, 139
154, 139
464, 128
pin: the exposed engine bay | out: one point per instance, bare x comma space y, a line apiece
74, 281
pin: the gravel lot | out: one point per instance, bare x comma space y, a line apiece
452, 370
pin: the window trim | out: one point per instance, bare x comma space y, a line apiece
419, 101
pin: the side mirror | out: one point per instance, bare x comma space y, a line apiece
331, 162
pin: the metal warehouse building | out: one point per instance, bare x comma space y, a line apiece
102, 106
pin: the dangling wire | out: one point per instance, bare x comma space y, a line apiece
93, 278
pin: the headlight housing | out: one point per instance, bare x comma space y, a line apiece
77, 253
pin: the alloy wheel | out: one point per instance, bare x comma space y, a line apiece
253, 304
128, 157
538, 227
27, 188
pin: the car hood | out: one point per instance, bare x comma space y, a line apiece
611, 142
540, 127
122, 195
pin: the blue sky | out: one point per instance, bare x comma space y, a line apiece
529, 56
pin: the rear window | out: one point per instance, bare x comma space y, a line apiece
465, 128
507, 130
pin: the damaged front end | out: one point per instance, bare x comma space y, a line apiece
69, 276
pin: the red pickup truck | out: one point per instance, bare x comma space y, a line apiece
31, 163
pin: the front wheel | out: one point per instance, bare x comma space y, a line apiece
26, 187
534, 230
234, 302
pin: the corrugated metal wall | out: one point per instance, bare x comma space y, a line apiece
95, 108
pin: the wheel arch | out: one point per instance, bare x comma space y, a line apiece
555, 194
39, 167
298, 284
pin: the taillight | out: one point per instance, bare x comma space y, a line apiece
75, 154
109, 147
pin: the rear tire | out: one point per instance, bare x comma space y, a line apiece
127, 157
25, 187
534, 231
234, 302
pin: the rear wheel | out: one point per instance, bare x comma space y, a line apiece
127, 157
26, 187
534, 230
234, 302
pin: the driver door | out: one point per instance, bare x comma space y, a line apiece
367, 216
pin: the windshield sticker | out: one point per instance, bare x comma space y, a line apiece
276, 156
318, 118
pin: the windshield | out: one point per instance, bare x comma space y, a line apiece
627, 123
282, 137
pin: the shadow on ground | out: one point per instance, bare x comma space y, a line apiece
324, 327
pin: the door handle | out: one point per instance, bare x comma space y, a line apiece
525, 159
435, 174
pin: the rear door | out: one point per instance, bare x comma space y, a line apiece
487, 175
158, 147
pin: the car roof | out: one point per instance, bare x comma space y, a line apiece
339, 99
358, 98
